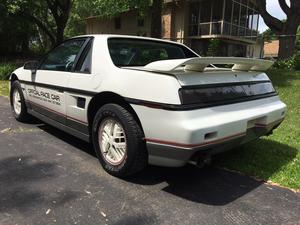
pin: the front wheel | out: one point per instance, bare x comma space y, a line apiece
119, 141
17, 102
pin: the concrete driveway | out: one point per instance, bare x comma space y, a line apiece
49, 177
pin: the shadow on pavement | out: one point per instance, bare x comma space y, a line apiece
22, 181
208, 185
71, 140
137, 219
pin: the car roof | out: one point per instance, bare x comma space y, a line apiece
106, 36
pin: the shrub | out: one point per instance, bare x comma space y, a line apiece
292, 63
213, 48
297, 61
286, 64
6, 70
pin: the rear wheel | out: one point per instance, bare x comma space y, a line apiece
17, 102
118, 141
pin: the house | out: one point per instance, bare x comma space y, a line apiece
195, 23
271, 49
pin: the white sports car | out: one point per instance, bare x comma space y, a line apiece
142, 100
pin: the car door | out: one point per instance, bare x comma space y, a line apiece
79, 91
46, 92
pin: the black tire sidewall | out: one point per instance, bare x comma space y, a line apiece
23, 114
133, 142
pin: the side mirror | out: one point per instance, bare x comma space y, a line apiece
32, 65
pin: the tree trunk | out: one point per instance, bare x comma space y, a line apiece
60, 33
156, 19
287, 41
287, 47
25, 44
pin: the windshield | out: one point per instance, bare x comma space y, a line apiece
139, 52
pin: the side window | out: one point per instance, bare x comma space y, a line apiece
84, 64
62, 57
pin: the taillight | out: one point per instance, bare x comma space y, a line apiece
224, 92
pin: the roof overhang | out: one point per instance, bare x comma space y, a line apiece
225, 37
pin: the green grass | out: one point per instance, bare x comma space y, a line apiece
275, 158
4, 87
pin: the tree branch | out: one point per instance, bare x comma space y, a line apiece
272, 22
41, 25
53, 9
295, 6
286, 9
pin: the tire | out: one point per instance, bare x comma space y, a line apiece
19, 109
119, 141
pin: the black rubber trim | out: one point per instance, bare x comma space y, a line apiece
85, 51
165, 106
173, 107
178, 153
51, 115
82, 128
60, 88
59, 118
63, 127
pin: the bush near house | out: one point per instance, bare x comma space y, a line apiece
292, 63
6, 69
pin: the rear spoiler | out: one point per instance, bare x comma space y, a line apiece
200, 63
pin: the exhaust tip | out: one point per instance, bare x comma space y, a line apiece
201, 160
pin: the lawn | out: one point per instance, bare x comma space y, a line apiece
275, 158
3, 88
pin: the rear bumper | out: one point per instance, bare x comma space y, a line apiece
173, 137
173, 156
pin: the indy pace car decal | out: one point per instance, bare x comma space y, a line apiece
44, 96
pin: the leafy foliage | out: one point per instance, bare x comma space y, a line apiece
213, 48
6, 70
269, 35
297, 61
50, 16
14, 32
286, 27
292, 63
287, 64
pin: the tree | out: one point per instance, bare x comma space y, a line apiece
269, 35
286, 30
156, 27
15, 32
112, 8
50, 16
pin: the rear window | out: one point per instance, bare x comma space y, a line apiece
138, 52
